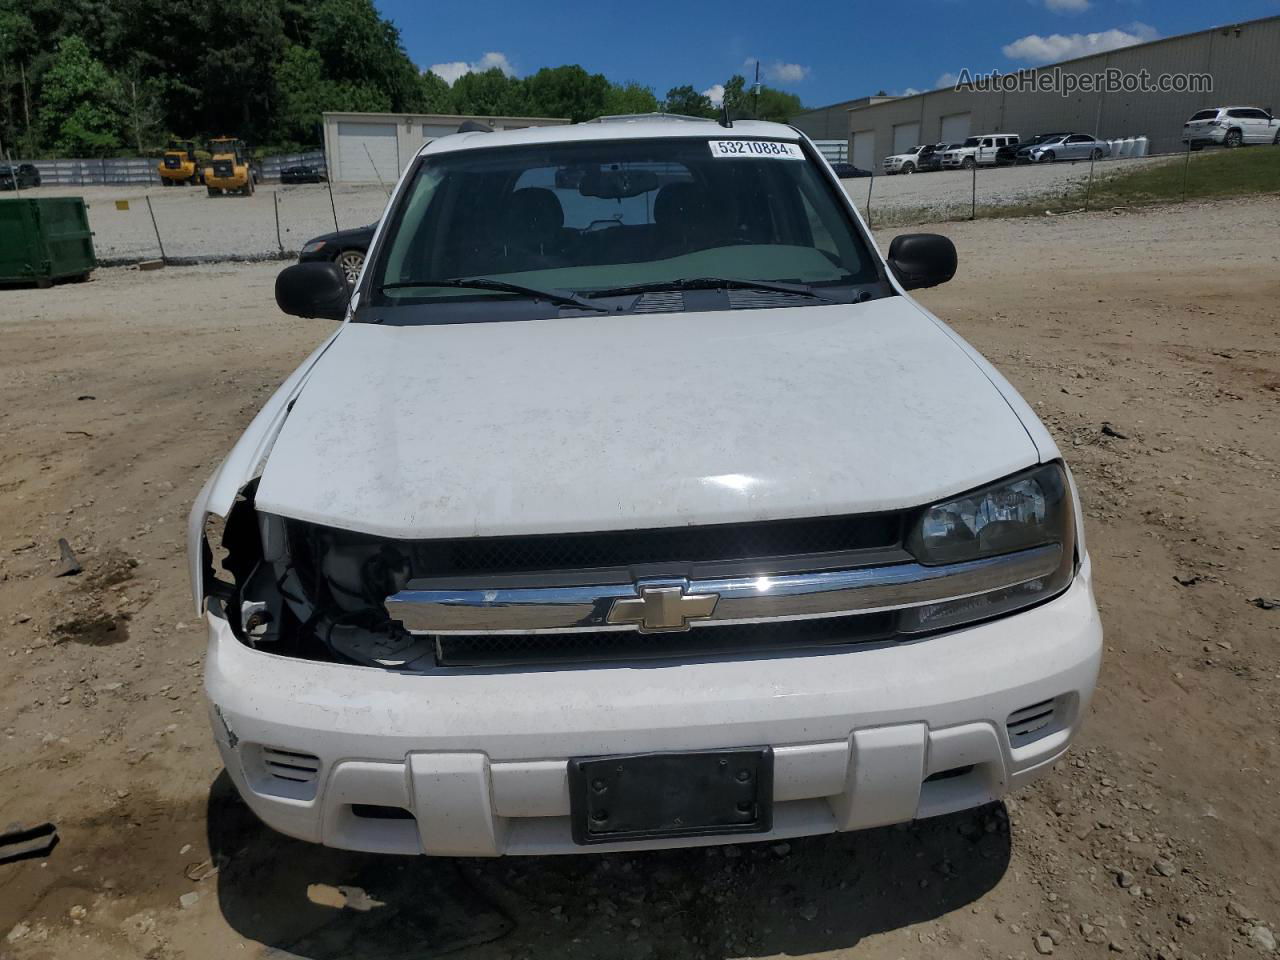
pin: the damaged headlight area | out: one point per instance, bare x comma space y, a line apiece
304, 590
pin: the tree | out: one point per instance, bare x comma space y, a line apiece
78, 111
629, 97
359, 47
688, 102
19, 42
138, 102
735, 96
567, 91
233, 68
433, 94
777, 105
489, 93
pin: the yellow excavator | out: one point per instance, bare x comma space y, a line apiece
179, 164
228, 169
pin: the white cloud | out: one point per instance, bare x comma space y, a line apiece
1067, 6
1058, 46
776, 71
908, 92
715, 93
786, 72
450, 72
946, 80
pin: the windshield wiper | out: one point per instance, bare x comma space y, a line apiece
564, 297
711, 283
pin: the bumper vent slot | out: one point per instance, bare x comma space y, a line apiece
1025, 724
291, 766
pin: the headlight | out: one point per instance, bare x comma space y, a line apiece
313, 246
1027, 517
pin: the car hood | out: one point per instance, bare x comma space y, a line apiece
351, 233
633, 421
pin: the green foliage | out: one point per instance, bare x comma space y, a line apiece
629, 97
688, 102
567, 91
777, 105
488, 93
78, 112
93, 77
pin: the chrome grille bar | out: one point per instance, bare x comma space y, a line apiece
422, 608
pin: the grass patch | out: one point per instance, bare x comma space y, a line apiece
1208, 175
1211, 174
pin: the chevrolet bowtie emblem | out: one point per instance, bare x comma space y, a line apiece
663, 608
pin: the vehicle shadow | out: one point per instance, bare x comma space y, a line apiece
804, 896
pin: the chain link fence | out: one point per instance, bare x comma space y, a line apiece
185, 224
1048, 189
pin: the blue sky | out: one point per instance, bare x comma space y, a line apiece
823, 51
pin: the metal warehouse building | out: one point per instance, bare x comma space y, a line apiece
374, 147
1243, 60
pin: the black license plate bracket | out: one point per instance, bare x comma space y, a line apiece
651, 796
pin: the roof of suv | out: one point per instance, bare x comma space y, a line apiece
639, 128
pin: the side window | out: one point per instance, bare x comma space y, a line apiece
986, 142
1255, 114
1238, 114
1078, 138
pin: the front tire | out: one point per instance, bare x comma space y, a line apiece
908, 168
350, 262
1233, 139
1048, 157
969, 163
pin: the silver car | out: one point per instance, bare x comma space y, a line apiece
1063, 146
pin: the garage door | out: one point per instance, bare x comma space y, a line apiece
864, 149
905, 136
367, 153
955, 128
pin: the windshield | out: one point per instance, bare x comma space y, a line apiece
971, 142
596, 216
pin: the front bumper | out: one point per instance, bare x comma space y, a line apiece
479, 758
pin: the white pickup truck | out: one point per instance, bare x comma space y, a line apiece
635, 503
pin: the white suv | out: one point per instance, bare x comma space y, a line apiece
635, 503
919, 157
978, 151
1231, 127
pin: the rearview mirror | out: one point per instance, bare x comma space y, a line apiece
922, 259
313, 290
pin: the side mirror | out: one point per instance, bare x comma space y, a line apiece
921, 259
313, 290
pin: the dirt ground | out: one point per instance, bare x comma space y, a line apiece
1146, 341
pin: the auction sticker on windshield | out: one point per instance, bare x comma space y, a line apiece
756, 148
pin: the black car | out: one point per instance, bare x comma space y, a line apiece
847, 171
346, 248
303, 173
23, 175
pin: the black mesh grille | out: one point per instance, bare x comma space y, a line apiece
791, 635
628, 548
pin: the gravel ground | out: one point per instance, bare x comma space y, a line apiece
948, 194
1156, 837
193, 224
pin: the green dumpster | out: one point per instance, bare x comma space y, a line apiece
44, 239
